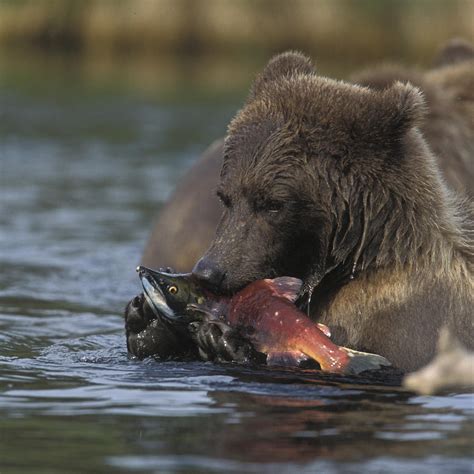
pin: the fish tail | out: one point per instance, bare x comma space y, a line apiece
362, 361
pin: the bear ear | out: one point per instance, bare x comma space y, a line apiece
284, 64
403, 107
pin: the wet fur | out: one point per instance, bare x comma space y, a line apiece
334, 183
370, 193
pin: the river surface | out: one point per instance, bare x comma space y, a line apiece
81, 179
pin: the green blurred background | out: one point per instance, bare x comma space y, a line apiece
210, 47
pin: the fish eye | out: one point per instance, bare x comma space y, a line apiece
173, 289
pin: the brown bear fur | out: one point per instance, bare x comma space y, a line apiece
334, 183
448, 90
186, 224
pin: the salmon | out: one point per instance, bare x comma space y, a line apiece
264, 314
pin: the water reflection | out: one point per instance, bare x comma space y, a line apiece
225, 415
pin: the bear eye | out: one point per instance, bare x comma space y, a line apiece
224, 198
172, 289
274, 207
269, 207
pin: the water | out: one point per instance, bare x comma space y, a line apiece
81, 179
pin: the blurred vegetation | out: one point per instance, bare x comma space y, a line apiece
217, 44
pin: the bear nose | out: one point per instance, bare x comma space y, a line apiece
208, 272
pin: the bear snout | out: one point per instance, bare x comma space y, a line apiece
208, 272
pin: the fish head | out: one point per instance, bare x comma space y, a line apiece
169, 294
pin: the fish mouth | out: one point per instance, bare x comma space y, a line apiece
154, 295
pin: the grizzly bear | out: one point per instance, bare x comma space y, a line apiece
335, 183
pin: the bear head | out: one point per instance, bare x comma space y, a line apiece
314, 172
